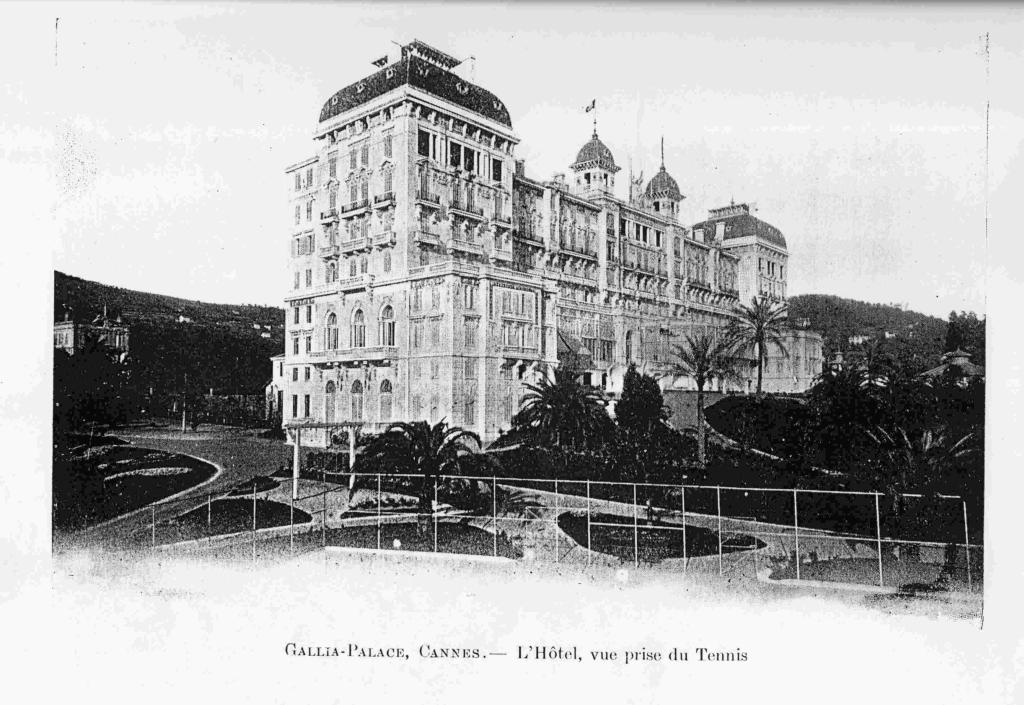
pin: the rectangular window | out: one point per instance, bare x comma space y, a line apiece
309, 348
435, 369
295, 405
455, 155
387, 182
387, 146
305, 405
309, 314
496, 170
470, 368
352, 159
309, 277
332, 166
280, 369
309, 210
296, 317
423, 144
307, 372
295, 346
298, 214
296, 280
469, 159
364, 190
295, 374
435, 331
417, 334
471, 325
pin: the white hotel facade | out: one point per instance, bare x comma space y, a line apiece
431, 278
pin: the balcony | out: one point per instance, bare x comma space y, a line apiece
427, 198
520, 352
474, 248
355, 283
384, 199
360, 243
383, 239
426, 237
467, 209
355, 207
356, 356
329, 216
328, 251
503, 219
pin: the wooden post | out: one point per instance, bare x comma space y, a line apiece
296, 461
718, 494
588, 522
494, 511
878, 529
254, 520
796, 532
556, 520
636, 533
967, 549
682, 499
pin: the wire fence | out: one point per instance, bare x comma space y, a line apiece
797, 536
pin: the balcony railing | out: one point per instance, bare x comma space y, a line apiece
375, 353
329, 216
329, 251
427, 197
354, 283
360, 243
384, 199
355, 205
467, 209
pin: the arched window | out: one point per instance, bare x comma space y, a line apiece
352, 267
332, 332
329, 401
358, 329
675, 247
385, 400
387, 326
357, 401
331, 274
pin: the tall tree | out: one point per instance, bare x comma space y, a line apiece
421, 448
641, 407
758, 326
705, 356
561, 410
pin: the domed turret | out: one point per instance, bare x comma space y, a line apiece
662, 191
595, 168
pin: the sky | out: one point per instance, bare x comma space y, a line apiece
859, 131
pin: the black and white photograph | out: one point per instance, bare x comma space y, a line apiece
514, 352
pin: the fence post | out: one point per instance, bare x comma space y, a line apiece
878, 529
588, 522
152, 514
682, 499
967, 549
718, 496
378, 511
434, 508
494, 512
323, 524
291, 524
636, 533
796, 531
254, 520
556, 520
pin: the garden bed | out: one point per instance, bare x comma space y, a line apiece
229, 516
457, 537
259, 483
649, 542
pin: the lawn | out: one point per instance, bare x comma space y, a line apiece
229, 516
456, 537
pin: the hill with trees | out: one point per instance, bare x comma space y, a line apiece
226, 347
860, 330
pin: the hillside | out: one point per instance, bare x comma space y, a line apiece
914, 337
221, 346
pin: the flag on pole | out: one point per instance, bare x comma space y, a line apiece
592, 106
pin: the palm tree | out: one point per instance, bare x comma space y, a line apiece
758, 326
918, 462
418, 447
705, 356
560, 409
